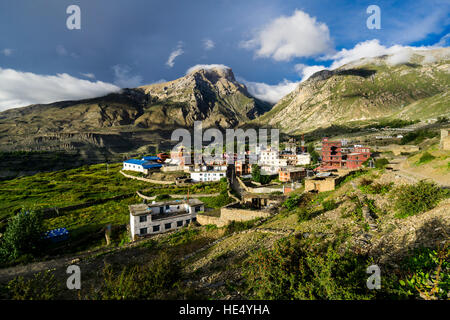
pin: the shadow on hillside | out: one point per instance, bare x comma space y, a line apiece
430, 234
365, 73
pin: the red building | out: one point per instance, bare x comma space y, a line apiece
333, 157
242, 168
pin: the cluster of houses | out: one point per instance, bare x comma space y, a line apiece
289, 164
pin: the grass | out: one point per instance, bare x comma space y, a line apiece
65, 187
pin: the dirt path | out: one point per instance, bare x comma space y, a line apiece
407, 173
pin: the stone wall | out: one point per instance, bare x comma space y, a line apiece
146, 180
205, 220
445, 139
327, 184
229, 214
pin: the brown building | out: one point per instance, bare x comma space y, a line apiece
321, 183
291, 174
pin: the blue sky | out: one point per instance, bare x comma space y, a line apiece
128, 43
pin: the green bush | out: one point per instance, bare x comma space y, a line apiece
158, 280
368, 187
237, 226
163, 197
426, 157
42, 286
418, 136
329, 205
23, 236
182, 236
427, 273
293, 270
381, 163
417, 198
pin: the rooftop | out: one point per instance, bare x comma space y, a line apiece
143, 208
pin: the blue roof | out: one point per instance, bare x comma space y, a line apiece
152, 165
151, 158
144, 163
135, 161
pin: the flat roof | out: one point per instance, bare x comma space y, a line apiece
143, 208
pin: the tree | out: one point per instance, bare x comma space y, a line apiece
312, 152
256, 173
23, 235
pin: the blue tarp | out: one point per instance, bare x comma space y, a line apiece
57, 235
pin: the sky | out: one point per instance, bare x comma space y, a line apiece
271, 45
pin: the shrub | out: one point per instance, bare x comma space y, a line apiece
163, 197
375, 188
291, 270
23, 235
42, 286
182, 236
304, 214
381, 163
154, 281
237, 226
426, 157
329, 205
418, 136
417, 198
427, 273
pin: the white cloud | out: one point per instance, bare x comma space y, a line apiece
7, 52
207, 67
208, 44
123, 79
175, 53
371, 49
24, 88
299, 35
88, 75
306, 71
399, 57
443, 41
267, 92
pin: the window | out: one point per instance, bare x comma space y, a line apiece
155, 228
143, 231
188, 221
143, 219
168, 226
197, 209
180, 223
167, 207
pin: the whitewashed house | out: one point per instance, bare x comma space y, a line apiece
140, 165
158, 217
212, 175
303, 159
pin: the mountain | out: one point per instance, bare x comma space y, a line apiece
132, 118
369, 89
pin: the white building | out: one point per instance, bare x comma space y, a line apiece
140, 165
201, 176
303, 159
158, 217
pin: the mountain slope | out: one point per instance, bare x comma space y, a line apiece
367, 89
132, 118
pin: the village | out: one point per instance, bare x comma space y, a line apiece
283, 171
